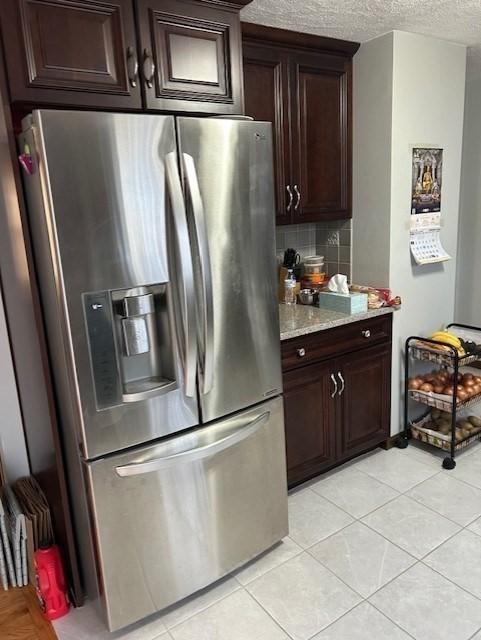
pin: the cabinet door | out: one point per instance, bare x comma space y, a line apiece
267, 98
309, 421
321, 136
365, 401
71, 52
191, 56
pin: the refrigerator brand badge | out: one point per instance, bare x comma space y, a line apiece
259, 136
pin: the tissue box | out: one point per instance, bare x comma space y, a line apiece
352, 303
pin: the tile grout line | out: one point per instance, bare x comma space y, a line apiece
251, 595
391, 620
470, 593
310, 547
238, 588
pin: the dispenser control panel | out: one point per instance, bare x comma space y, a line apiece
98, 317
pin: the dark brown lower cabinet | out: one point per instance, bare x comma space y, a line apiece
309, 420
365, 402
337, 401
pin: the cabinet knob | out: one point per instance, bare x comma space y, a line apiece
366, 333
301, 352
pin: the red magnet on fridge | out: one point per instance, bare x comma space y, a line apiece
26, 160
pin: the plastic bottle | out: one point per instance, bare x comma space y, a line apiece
290, 288
51, 585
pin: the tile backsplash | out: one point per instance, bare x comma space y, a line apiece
329, 239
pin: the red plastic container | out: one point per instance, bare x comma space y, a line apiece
51, 585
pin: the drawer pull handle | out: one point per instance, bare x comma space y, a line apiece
366, 333
335, 385
301, 352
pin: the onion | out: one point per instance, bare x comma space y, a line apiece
448, 391
438, 388
414, 384
427, 386
462, 395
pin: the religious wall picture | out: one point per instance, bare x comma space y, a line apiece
427, 180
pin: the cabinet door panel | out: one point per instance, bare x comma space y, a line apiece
64, 52
321, 137
267, 98
365, 408
309, 419
195, 49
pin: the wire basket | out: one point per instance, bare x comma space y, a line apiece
443, 358
440, 401
420, 432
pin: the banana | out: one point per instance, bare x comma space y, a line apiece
448, 338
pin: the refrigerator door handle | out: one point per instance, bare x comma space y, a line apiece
204, 262
187, 273
199, 453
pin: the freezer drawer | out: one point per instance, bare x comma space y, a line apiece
174, 517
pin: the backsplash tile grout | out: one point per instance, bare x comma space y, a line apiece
331, 239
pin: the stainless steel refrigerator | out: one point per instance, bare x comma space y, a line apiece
154, 243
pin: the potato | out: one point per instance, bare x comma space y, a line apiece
475, 421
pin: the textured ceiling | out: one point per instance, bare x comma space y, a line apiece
455, 20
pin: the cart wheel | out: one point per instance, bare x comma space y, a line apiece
402, 442
449, 463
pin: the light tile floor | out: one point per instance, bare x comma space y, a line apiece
387, 547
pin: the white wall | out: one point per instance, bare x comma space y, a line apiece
12, 441
427, 80
468, 296
372, 124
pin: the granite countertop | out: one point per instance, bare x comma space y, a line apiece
298, 320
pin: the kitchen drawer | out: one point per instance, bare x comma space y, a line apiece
313, 347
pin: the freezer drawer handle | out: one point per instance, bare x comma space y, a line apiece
189, 350
199, 453
206, 286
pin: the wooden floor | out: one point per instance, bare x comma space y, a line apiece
21, 618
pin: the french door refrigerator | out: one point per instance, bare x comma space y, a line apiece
154, 242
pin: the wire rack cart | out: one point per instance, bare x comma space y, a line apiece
417, 349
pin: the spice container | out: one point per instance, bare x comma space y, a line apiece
313, 265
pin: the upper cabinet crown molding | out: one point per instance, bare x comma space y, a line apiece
306, 93
272, 35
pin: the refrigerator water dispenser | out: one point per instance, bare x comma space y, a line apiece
130, 344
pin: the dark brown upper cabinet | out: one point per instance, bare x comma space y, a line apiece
191, 56
78, 53
302, 83
156, 55
266, 81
